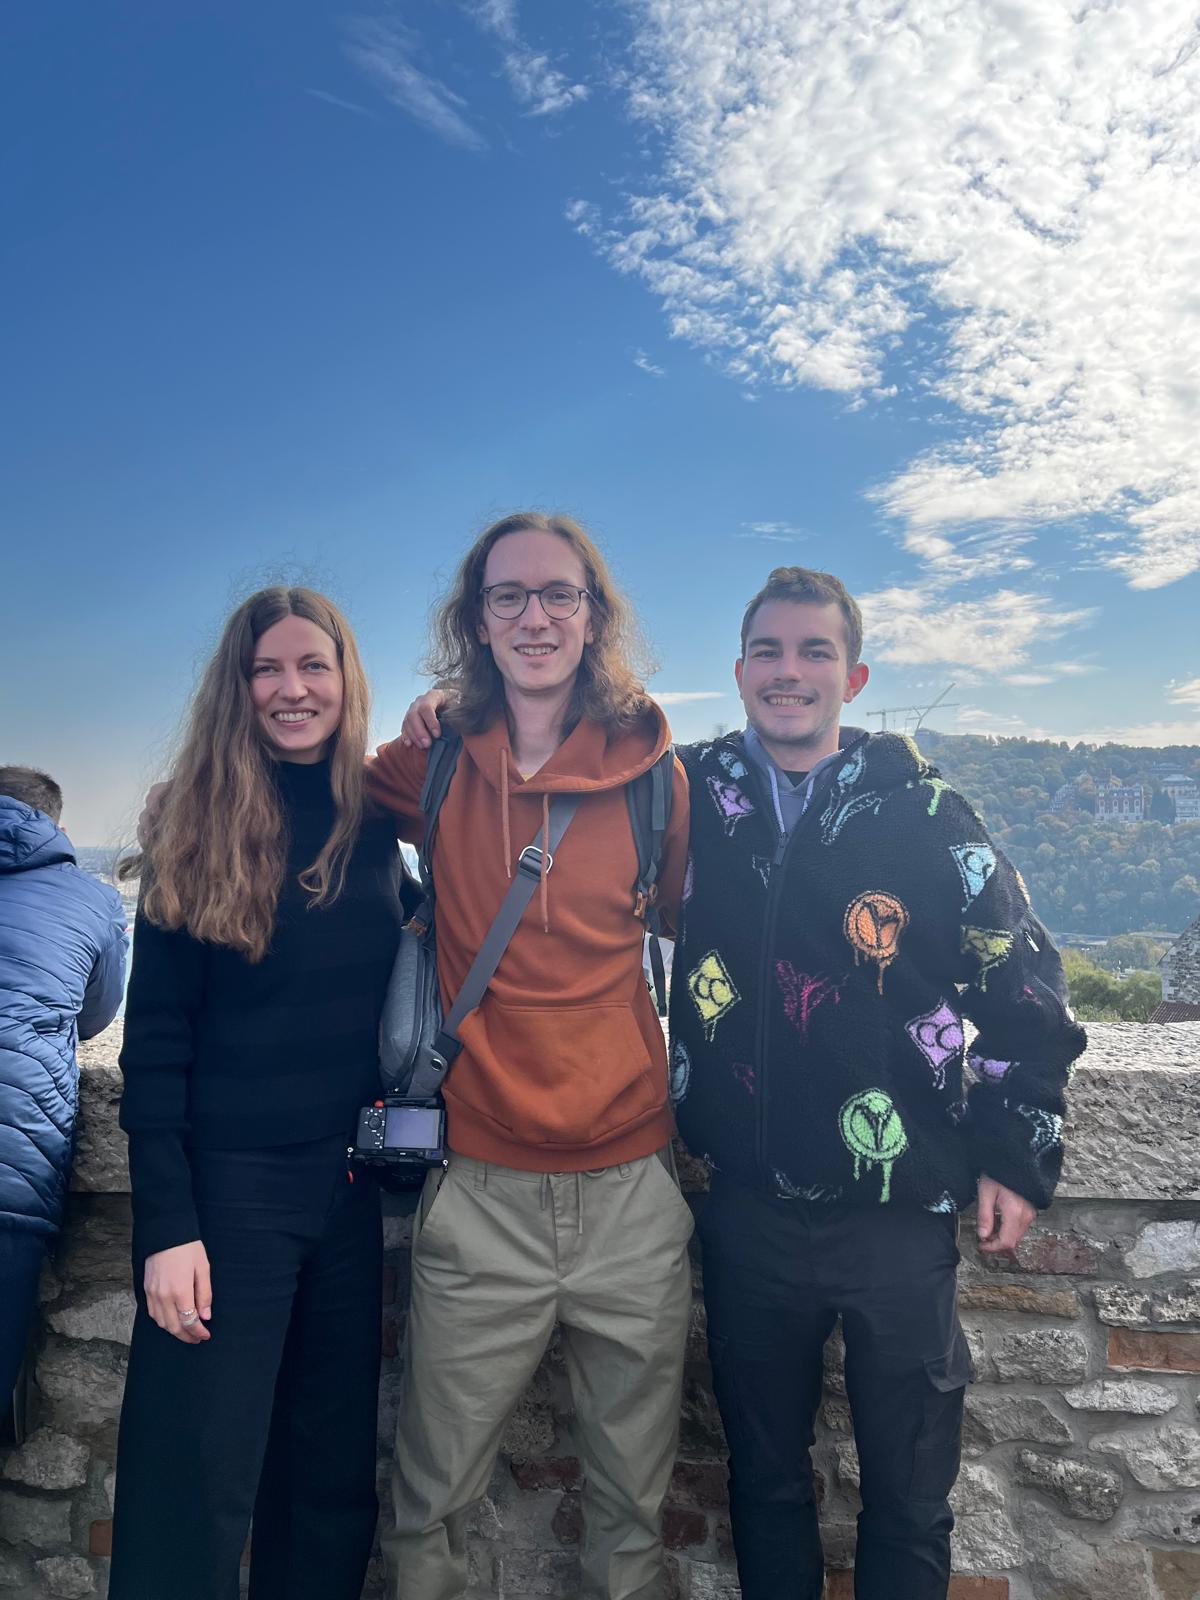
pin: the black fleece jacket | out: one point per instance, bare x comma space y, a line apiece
223, 1053
820, 986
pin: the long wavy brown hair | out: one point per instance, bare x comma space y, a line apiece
608, 687
215, 856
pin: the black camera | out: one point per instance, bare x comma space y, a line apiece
401, 1133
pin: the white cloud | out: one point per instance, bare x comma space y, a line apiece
684, 697
773, 532
992, 203
1185, 694
974, 719
385, 53
539, 86
336, 100
644, 364
992, 635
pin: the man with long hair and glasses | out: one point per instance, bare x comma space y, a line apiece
559, 1204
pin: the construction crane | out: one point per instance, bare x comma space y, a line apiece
920, 712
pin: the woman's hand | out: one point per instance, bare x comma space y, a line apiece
179, 1291
421, 726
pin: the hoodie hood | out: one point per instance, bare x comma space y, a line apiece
587, 761
29, 839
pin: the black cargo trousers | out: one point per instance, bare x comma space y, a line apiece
777, 1275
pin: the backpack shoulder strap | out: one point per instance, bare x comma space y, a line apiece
443, 760
649, 798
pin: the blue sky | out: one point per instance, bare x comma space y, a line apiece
314, 293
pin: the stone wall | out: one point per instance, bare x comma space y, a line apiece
1181, 966
1081, 1473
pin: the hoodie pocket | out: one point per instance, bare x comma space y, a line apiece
570, 1075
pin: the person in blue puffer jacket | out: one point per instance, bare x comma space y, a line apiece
62, 974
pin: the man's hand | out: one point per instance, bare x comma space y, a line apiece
179, 1291
421, 726
1003, 1218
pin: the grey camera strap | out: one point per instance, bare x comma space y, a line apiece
430, 1072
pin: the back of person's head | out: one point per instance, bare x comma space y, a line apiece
32, 788
805, 585
217, 844
609, 686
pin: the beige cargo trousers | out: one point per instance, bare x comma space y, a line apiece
500, 1256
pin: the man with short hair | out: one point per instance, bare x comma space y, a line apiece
62, 973
843, 911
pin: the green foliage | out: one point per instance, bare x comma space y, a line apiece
1083, 876
1130, 952
1098, 996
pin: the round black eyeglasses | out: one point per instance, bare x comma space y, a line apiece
508, 600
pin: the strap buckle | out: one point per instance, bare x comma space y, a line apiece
644, 900
530, 860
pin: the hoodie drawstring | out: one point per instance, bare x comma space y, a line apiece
504, 810
543, 887
506, 831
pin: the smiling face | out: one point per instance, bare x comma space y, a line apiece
795, 677
536, 655
296, 689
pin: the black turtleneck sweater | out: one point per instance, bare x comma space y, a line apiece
224, 1053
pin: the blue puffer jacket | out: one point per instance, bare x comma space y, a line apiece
62, 970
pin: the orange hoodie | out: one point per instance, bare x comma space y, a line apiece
563, 1066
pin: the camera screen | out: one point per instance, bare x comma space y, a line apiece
411, 1128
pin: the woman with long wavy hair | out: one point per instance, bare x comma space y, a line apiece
268, 923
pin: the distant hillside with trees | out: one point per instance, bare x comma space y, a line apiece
1084, 876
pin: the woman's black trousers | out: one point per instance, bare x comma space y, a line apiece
274, 1418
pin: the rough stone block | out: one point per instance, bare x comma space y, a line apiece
1136, 1399
530, 1429
833, 1358
1176, 1519
1167, 1458
1153, 1352
978, 1490
1177, 1574
101, 1163
1133, 1125
548, 1472
1081, 1490
700, 1483
979, 1345
103, 1312
85, 1380
538, 1572
94, 1245
710, 1582
68, 1577
1061, 1253
846, 1459
985, 1540
567, 1523
1165, 1247
683, 1529
835, 1414
14, 1571
47, 1460
700, 1432
1118, 1305
991, 1419
1047, 1355
1065, 1565
34, 1520
1017, 1297
963, 1586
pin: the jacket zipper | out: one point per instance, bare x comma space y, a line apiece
783, 848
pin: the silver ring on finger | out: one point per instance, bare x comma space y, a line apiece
187, 1316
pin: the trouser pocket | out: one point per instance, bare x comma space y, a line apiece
939, 1441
